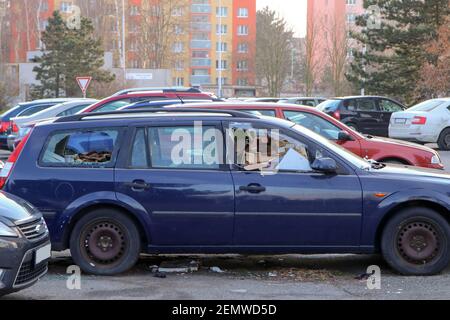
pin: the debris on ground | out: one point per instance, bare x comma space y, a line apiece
239, 291
180, 266
364, 276
216, 270
160, 275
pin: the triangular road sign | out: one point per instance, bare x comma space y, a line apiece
84, 82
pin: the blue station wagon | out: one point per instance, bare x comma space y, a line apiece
112, 186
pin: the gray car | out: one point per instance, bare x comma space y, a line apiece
24, 244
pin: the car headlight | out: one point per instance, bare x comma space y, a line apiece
436, 159
6, 231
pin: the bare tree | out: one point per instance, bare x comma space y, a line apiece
273, 50
311, 62
336, 47
161, 24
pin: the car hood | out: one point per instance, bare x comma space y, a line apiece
399, 143
14, 210
413, 172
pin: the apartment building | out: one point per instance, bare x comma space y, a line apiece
208, 43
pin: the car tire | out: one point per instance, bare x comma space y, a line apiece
444, 140
105, 242
416, 242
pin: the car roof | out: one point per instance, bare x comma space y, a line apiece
291, 98
242, 105
159, 89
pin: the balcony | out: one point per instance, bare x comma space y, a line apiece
200, 44
201, 8
201, 62
201, 26
200, 80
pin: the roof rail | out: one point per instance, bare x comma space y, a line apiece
80, 117
162, 89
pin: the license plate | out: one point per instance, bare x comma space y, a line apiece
43, 253
400, 121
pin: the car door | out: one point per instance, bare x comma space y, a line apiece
369, 117
387, 108
189, 202
287, 204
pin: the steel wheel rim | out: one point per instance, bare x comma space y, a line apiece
419, 242
447, 140
104, 243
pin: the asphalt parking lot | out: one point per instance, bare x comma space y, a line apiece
244, 277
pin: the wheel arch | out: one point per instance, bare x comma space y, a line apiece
439, 208
395, 158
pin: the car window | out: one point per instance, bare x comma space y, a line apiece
329, 105
179, 148
139, 158
113, 105
271, 150
33, 110
310, 103
367, 105
314, 123
427, 106
72, 111
80, 148
260, 112
389, 106
350, 105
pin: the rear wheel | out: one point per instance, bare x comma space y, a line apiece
444, 140
105, 242
416, 242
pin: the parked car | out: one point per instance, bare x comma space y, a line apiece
126, 193
6, 126
24, 244
24, 122
366, 114
304, 101
162, 89
159, 104
377, 148
426, 122
117, 101
264, 99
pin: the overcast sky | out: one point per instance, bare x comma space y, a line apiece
294, 11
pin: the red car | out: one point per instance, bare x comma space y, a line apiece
376, 148
123, 99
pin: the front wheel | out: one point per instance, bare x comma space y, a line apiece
105, 242
416, 242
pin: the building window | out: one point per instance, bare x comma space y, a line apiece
243, 47
178, 29
177, 12
178, 47
135, 64
221, 46
221, 12
224, 81
134, 11
223, 65
179, 65
178, 81
351, 18
242, 13
350, 53
242, 30
242, 82
351, 2
44, 6
242, 65
200, 54
221, 28
66, 6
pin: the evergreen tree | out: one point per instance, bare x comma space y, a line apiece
393, 53
68, 53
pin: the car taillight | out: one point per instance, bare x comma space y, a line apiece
337, 115
7, 168
14, 127
4, 126
419, 120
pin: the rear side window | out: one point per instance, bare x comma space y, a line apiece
72, 111
389, 106
33, 110
367, 105
309, 103
80, 148
261, 112
113, 105
329, 105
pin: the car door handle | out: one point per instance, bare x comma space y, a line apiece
138, 185
253, 188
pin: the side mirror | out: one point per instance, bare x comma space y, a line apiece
326, 165
344, 136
